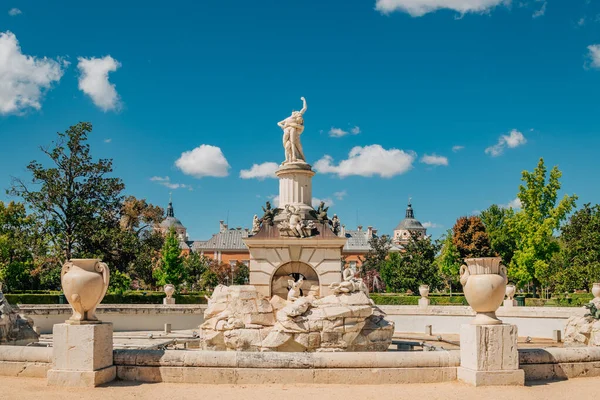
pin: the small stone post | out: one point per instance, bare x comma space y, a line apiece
424, 292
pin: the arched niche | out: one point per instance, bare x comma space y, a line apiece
292, 270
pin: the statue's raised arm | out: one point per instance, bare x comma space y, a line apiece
303, 105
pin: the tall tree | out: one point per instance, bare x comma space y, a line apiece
577, 266
17, 231
448, 261
414, 266
74, 194
471, 239
536, 223
170, 269
379, 247
497, 221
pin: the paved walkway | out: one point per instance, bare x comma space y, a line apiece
34, 388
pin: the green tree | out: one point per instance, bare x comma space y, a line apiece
414, 266
577, 265
195, 267
448, 262
241, 274
119, 282
379, 247
536, 223
471, 239
497, 221
73, 196
17, 242
170, 269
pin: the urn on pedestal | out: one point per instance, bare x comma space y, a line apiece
596, 290
169, 290
84, 282
484, 284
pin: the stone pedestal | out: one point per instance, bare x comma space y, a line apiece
295, 188
82, 355
424, 302
509, 303
168, 300
488, 355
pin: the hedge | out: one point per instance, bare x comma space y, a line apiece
404, 300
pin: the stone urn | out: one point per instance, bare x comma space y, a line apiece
84, 283
169, 290
510, 292
424, 291
484, 285
596, 290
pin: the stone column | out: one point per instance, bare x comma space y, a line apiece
489, 356
82, 355
295, 187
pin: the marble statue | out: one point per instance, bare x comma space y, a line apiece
321, 213
270, 213
294, 292
349, 283
255, 224
335, 224
293, 126
294, 220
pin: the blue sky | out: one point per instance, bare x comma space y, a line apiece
395, 80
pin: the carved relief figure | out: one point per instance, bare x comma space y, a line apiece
349, 283
255, 224
293, 126
270, 213
294, 292
335, 224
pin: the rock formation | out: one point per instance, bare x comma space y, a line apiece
14, 329
238, 318
583, 331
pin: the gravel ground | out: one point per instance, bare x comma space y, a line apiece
34, 388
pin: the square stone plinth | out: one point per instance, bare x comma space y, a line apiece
82, 355
423, 302
65, 378
168, 300
489, 356
509, 303
491, 378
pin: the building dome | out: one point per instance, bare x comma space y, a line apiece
409, 226
170, 222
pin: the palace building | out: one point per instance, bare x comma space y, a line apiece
227, 245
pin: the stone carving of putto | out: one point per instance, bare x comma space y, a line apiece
294, 225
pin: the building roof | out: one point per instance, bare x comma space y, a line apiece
358, 241
229, 239
409, 223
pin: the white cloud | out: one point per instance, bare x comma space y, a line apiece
317, 201
340, 195
24, 78
433, 159
581, 21
512, 140
541, 11
514, 204
594, 55
13, 12
93, 81
204, 160
260, 171
339, 132
457, 148
274, 199
166, 181
418, 8
107, 140
429, 225
368, 161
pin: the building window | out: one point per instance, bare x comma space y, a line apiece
232, 263
246, 262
